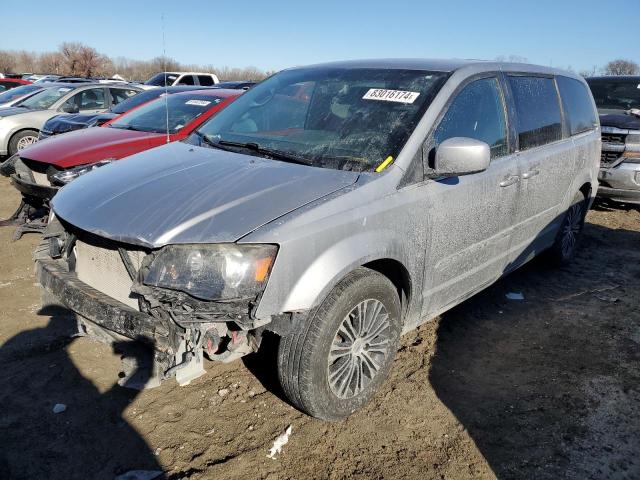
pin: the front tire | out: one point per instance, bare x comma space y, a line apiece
339, 356
568, 237
22, 140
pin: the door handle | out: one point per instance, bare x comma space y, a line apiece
529, 174
510, 181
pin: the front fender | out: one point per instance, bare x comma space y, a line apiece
304, 273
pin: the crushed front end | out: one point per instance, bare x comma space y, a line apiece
33, 181
124, 291
619, 174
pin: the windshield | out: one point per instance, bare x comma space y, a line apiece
160, 79
152, 117
616, 94
342, 118
137, 100
45, 98
17, 92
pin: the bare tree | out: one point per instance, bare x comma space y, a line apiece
622, 67
7, 62
50, 62
74, 58
70, 52
592, 72
91, 63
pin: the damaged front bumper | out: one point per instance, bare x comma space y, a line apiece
181, 330
31, 189
32, 213
620, 183
103, 310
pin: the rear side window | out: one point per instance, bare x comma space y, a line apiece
538, 111
577, 104
477, 112
121, 94
205, 80
186, 80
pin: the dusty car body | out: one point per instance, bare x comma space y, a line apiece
336, 206
39, 171
20, 124
618, 101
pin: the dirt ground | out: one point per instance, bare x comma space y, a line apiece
546, 388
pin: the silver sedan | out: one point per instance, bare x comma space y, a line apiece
21, 123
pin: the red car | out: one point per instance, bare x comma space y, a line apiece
9, 83
41, 169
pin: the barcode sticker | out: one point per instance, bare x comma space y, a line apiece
399, 96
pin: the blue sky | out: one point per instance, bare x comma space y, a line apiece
276, 34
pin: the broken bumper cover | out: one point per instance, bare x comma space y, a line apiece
621, 183
101, 309
31, 189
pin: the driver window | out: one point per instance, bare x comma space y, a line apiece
477, 112
92, 99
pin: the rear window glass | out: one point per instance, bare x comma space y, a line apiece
205, 80
137, 100
18, 92
577, 104
170, 113
538, 111
616, 94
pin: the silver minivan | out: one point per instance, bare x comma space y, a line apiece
336, 206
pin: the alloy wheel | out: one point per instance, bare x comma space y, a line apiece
571, 229
24, 142
359, 349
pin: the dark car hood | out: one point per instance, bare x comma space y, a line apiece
67, 123
179, 193
620, 120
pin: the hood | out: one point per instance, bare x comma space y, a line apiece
179, 193
621, 120
67, 123
91, 145
11, 111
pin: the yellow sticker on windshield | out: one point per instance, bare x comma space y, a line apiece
384, 164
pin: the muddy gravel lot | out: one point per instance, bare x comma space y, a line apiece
546, 387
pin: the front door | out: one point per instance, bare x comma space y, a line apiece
470, 216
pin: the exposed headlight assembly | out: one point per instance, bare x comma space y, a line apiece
65, 176
213, 272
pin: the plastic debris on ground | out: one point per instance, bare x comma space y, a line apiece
139, 475
59, 408
280, 442
514, 296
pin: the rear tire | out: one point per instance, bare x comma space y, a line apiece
22, 140
568, 238
342, 352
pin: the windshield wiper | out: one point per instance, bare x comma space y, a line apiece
132, 128
208, 141
275, 154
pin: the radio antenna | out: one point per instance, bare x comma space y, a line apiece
164, 74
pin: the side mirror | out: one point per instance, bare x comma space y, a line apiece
70, 108
461, 156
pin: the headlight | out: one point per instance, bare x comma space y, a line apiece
213, 272
65, 176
